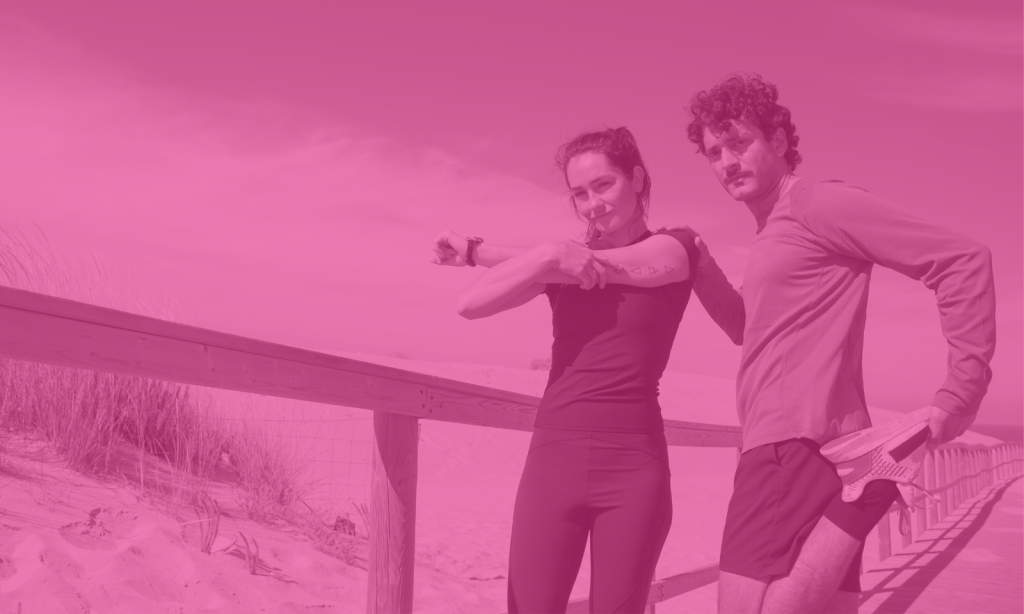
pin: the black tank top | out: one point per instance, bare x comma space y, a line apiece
610, 348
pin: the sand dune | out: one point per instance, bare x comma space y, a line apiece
76, 543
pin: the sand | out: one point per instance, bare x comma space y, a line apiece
76, 543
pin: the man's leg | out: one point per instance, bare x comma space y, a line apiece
829, 560
819, 570
739, 594
780, 491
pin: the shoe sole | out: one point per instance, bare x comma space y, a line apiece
857, 444
884, 464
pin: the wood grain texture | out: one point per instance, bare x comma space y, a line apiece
392, 556
972, 561
39, 328
664, 589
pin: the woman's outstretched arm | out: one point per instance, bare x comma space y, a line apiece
507, 284
661, 259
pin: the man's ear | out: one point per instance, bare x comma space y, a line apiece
779, 142
638, 179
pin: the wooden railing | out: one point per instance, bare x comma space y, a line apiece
954, 473
40, 328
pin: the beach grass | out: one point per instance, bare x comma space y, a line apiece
121, 426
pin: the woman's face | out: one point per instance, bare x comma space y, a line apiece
604, 195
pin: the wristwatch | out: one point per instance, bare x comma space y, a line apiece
471, 242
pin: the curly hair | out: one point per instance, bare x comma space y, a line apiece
742, 97
619, 146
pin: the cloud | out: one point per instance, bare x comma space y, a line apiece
966, 64
999, 36
107, 158
994, 91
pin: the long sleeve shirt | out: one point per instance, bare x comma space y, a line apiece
801, 311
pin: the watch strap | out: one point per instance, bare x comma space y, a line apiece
471, 243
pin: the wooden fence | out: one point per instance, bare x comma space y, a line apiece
40, 328
954, 473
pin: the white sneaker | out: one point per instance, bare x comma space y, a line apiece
892, 451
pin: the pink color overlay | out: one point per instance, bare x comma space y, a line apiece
278, 170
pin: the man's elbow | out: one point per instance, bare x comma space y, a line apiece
982, 254
976, 262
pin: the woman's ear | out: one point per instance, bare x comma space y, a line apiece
638, 179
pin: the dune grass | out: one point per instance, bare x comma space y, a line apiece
91, 418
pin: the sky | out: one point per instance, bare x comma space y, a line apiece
278, 169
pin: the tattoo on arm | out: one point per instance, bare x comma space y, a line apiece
651, 270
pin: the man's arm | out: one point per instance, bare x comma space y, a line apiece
957, 269
722, 302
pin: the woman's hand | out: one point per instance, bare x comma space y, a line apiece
702, 248
577, 260
449, 249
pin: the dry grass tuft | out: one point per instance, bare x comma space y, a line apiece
252, 557
89, 417
350, 547
210, 517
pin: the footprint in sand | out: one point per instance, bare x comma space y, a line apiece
7, 568
99, 532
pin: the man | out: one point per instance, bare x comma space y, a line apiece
790, 543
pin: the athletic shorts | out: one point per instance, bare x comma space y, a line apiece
780, 492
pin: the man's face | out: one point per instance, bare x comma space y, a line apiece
747, 164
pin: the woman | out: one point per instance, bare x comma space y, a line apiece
598, 460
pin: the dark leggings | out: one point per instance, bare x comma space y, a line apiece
612, 487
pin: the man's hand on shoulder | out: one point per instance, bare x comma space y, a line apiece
946, 427
702, 248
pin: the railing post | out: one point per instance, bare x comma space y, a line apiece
976, 472
979, 463
972, 485
1000, 455
989, 473
996, 464
942, 465
926, 476
958, 485
389, 584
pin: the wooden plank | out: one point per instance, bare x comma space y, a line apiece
392, 556
40, 328
685, 582
664, 589
680, 433
943, 478
926, 512
973, 565
87, 345
464, 408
